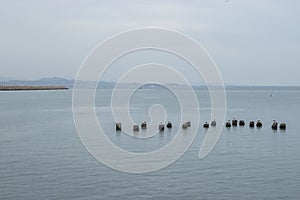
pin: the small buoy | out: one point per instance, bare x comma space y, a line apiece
136, 128
282, 126
213, 123
188, 123
242, 123
144, 125
228, 124
234, 122
206, 125
118, 127
161, 127
169, 124
251, 124
258, 124
184, 126
274, 125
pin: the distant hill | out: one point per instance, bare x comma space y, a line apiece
54, 81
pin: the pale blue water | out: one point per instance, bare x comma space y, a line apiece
41, 156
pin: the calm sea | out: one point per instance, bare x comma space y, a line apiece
41, 155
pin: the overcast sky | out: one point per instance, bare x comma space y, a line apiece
253, 42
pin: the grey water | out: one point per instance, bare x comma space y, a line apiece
42, 157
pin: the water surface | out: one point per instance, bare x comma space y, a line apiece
41, 156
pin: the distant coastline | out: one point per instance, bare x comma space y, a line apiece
57, 83
16, 88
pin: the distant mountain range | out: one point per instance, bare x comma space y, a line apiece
57, 81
